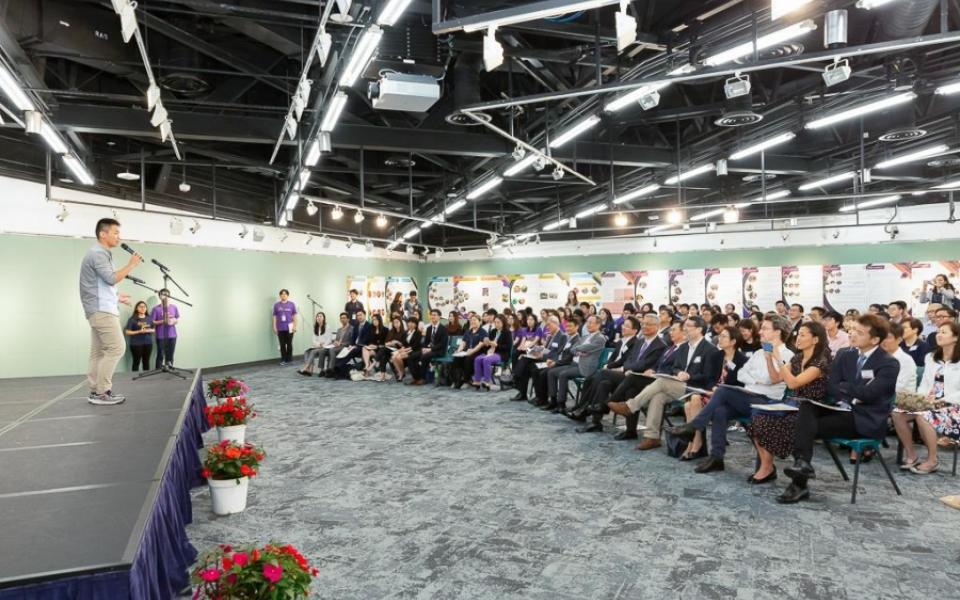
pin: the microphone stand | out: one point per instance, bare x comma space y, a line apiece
314, 303
165, 367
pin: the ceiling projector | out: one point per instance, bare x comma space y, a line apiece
409, 93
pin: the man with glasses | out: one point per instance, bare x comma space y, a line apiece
943, 316
930, 319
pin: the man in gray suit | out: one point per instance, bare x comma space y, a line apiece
586, 360
550, 349
341, 340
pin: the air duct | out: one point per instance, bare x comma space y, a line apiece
466, 87
906, 18
835, 29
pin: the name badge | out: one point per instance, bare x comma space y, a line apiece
696, 360
731, 365
866, 374
283, 318
913, 348
576, 359
554, 345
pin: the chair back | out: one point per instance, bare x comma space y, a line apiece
452, 344
920, 375
604, 357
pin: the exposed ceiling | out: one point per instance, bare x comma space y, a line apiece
227, 71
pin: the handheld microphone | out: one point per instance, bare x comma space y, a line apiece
136, 280
128, 248
156, 262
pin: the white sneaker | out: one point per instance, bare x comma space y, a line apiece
105, 399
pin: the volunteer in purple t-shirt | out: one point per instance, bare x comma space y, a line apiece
166, 333
285, 325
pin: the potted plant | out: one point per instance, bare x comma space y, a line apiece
230, 418
273, 571
228, 468
227, 387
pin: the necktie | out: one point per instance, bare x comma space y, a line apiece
860, 363
643, 348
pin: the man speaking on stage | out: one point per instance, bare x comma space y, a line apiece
100, 299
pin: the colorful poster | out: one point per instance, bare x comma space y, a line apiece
921, 277
762, 287
724, 286
441, 294
546, 290
887, 282
616, 289
587, 286
480, 293
845, 287
376, 302
687, 286
652, 287
803, 285
404, 285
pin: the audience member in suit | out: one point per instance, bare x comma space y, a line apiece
434, 345
361, 337
628, 311
640, 376
728, 342
609, 375
586, 360
696, 364
863, 379
378, 337
666, 317
564, 359
497, 352
393, 340
727, 403
912, 343
471, 343
341, 339
642, 352
553, 342
412, 343
795, 314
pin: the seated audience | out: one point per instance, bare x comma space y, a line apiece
585, 361
433, 345
341, 339
607, 326
943, 317
897, 310
321, 339
527, 366
913, 344
930, 320
454, 326
565, 358
392, 342
750, 332
837, 338
528, 336
361, 337
378, 337
412, 342
497, 352
907, 379
470, 346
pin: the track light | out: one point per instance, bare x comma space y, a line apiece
620, 220
557, 173
349, 243
243, 231
334, 110
736, 86
870, 203
626, 27
303, 179
836, 73
324, 44
184, 187
128, 20
292, 200
176, 226
439, 251
519, 152
731, 215
312, 209
827, 181
362, 53
63, 214
409, 249
195, 227
574, 131
368, 246
358, 217
912, 156
690, 174
325, 242
556, 224
160, 115
485, 187
764, 145
381, 221
861, 110
648, 96
258, 234
337, 213
539, 163
674, 217
763, 42
638, 193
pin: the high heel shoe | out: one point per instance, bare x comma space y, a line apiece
771, 477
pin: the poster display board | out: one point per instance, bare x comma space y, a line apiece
803, 285
404, 285
480, 293
538, 291
652, 287
376, 302
587, 286
724, 286
687, 286
845, 287
887, 282
762, 286
441, 294
616, 289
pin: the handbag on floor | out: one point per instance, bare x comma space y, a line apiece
675, 446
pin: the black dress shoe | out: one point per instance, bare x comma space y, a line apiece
518, 398
546, 406
684, 432
771, 477
702, 452
801, 469
626, 435
793, 494
592, 428
709, 465
577, 415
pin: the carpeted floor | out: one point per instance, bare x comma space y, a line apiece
402, 492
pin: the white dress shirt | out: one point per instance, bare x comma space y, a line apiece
755, 376
907, 378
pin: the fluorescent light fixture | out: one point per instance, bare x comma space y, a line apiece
303, 179
626, 27
770, 196
763, 145
410, 233
949, 185
637, 193
485, 187
779, 8
708, 215
392, 11
575, 130
859, 111
583, 214
50, 135
284, 219
872, 4
554, 11
763, 42
659, 228
362, 53
944, 90
455, 207
334, 110
691, 173
313, 155
292, 200
827, 181
78, 169
492, 51
870, 203
912, 156
648, 95
12, 90
556, 224
521, 165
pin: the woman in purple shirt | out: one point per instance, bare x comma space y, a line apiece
285, 325
166, 332
527, 336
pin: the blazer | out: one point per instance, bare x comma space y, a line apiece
504, 344
588, 351
362, 334
951, 379
638, 363
416, 342
665, 362
567, 350
344, 335
623, 350
438, 342
705, 365
377, 339
553, 345
739, 359
871, 399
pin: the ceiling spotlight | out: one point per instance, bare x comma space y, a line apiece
381, 221
368, 246
284, 237
63, 214
243, 232
337, 213
539, 163
626, 27
620, 220
195, 227
731, 215
439, 251
325, 242
519, 152
309, 239
409, 249
358, 217
557, 174
426, 251
838, 72
184, 187
258, 234
312, 208
176, 226
126, 175
736, 86
349, 243
674, 216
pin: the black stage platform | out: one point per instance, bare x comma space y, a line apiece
78, 481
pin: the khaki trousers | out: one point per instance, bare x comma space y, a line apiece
107, 347
655, 396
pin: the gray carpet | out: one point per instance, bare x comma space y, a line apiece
401, 492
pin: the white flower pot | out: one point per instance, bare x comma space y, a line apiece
229, 495
235, 433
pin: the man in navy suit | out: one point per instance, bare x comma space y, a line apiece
862, 379
434, 345
361, 337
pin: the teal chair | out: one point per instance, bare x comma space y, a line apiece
443, 363
859, 445
498, 370
920, 374
578, 381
